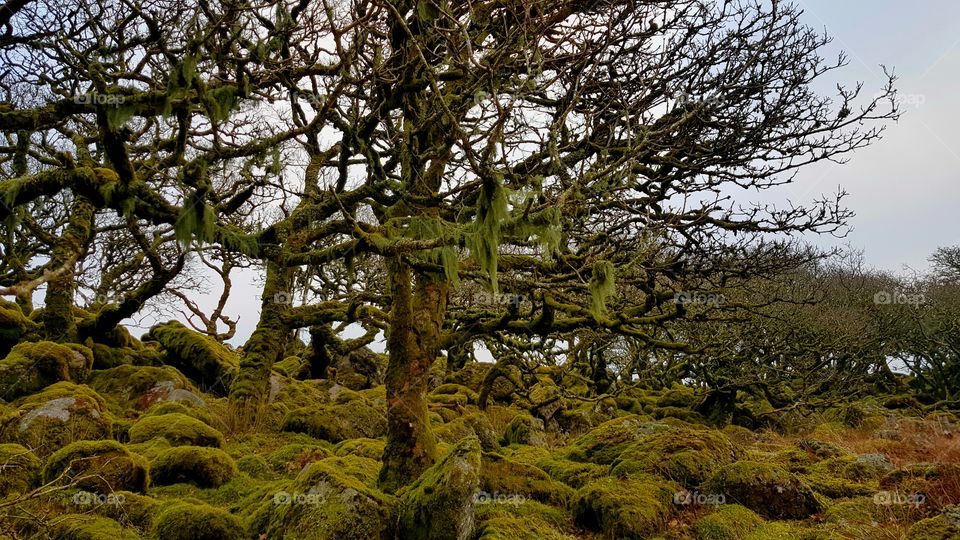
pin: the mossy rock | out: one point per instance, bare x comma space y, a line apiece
471, 425
13, 325
454, 389
188, 521
859, 511
572, 473
294, 367
255, 466
527, 520
87, 527
107, 357
364, 469
678, 396
140, 387
471, 375
366, 448
20, 469
624, 508
820, 449
99, 466
834, 487
293, 458
439, 504
727, 522
604, 444
32, 366
323, 502
781, 530
942, 527
525, 429
201, 358
868, 467
687, 456
178, 429
59, 415
503, 476
198, 465
767, 489
339, 422
178, 407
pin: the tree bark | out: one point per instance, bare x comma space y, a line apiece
416, 317
58, 319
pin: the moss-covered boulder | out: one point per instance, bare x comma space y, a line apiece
201, 358
942, 527
293, 458
678, 396
339, 422
198, 465
88, 527
471, 425
687, 456
19, 469
868, 467
366, 448
624, 508
99, 466
440, 503
256, 467
57, 416
525, 429
189, 521
573, 473
500, 476
13, 325
323, 502
727, 522
30, 367
178, 429
141, 387
767, 489
604, 443
527, 520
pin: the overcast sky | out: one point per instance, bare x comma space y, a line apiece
904, 188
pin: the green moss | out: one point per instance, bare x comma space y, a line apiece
525, 429
780, 530
13, 325
687, 456
500, 475
179, 407
199, 357
294, 367
941, 527
336, 423
366, 448
187, 521
868, 467
527, 520
450, 389
255, 466
572, 473
471, 425
292, 458
138, 387
767, 489
20, 469
178, 429
604, 444
199, 465
60, 414
99, 466
628, 508
727, 522
364, 469
86, 527
834, 487
323, 502
30, 367
439, 503
678, 396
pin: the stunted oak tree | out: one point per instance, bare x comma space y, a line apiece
579, 162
